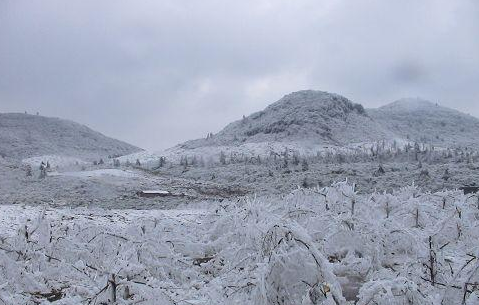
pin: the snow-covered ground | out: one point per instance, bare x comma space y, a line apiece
313, 246
54, 160
150, 159
18, 214
112, 172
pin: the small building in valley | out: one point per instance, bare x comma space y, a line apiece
153, 193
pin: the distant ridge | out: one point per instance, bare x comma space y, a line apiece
420, 120
25, 136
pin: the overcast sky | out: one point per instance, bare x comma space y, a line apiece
156, 73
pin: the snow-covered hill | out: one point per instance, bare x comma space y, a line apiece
310, 117
25, 136
422, 121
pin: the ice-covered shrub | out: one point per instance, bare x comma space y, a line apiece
295, 271
395, 291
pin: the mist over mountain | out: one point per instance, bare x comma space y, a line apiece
25, 136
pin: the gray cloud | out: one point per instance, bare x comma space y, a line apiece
156, 73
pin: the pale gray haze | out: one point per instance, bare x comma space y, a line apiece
156, 73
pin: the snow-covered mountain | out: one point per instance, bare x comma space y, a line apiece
25, 136
419, 120
309, 117
317, 118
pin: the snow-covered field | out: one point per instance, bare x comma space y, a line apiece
112, 172
54, 160
313, 246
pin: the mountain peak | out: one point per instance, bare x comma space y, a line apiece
410, 104
311, 100
310, 95
420, 120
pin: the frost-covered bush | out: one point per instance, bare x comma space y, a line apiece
313, 246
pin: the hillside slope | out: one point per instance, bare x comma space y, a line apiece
25, 136
422, 121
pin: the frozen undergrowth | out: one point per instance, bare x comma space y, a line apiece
313, 246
